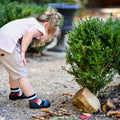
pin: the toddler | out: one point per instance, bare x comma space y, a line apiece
15, 37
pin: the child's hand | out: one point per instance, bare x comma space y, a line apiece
23, 58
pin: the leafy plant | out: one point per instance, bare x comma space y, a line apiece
15, 10
47, 1
94, 52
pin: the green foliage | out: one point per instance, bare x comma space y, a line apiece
37, 49
94, 52
15, 10
41, 2
4, 1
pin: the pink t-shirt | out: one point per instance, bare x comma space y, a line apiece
12, 31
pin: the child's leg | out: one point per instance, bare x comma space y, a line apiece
13, 83
27, 89
34, 102
17, 70
15, 91
26, 86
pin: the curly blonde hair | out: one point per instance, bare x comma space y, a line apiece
53, 18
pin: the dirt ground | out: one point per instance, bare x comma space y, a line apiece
49, 81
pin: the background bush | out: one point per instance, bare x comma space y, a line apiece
94, 52
14, 10
42, 2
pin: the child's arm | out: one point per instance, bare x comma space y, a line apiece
27, 39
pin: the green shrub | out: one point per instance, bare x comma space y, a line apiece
94, 52
4, 1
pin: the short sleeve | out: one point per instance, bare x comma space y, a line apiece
40, 28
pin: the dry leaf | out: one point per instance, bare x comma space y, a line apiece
68, 94
113, 113
63, 102
87, 114
45, 110
118, 115
101, 115
48, 111
115, 101
107, 86
53, 114
62, 112
42, 118
62, 109
104, 108
110, 104
68, 114
45, 116
38, 117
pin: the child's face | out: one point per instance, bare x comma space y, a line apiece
45, 39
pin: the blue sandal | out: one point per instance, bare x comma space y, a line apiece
44, 104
